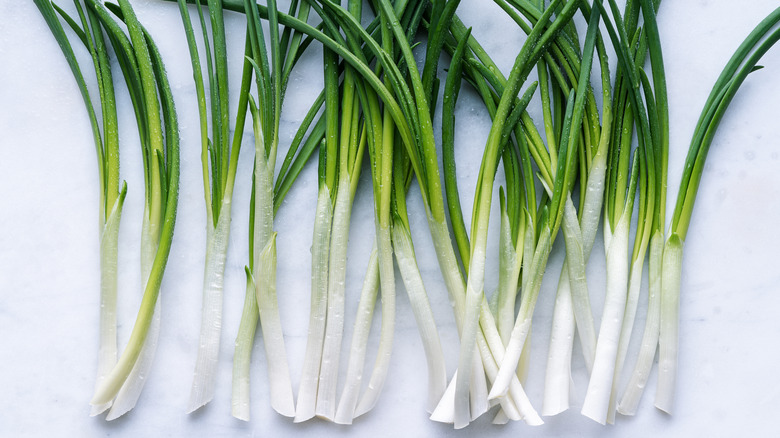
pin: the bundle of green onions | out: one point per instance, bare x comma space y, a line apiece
107, 145
120, 382
742, 63
378, 103
218, 157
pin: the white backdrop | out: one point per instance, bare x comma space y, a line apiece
49, 277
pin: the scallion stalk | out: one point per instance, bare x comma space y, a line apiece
562, 183
107, 146
741, 64
219, 164
161, 159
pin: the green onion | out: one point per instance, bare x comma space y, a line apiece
221, 160
496, 347
381, 140
561, 184
741, 64
600, 399
322, 302
107, 146
146, 79
266, 114
649, 229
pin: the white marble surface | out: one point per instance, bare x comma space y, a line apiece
728, 383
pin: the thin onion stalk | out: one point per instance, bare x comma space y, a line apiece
558, 372
343, 175
131, 390
444, 410
410, 110
567, 308
342, 154
616, 240
379, 130
597, 398
557, 391
651, 223
623, 132
128, 395
219, 164
350, 406
299, 153
742, 63
348, 401
418, 297
474, 72
106, 140
489, 342
307, 391
284, 56
515, 237
513, 219
320, 251
271, 77
440, 19
618, 213
381, 139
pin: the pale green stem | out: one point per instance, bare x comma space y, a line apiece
109, 243
243, 352
509, 262
334, 327
636, 384
596, 404
523, 322
474, 296
345, 412
273, 337
632, 301
523, 366
264, 272
557, 378
217, 238
387, 282
307, 392
493, 355
421, 308
576, 259
130, 391
670, 323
